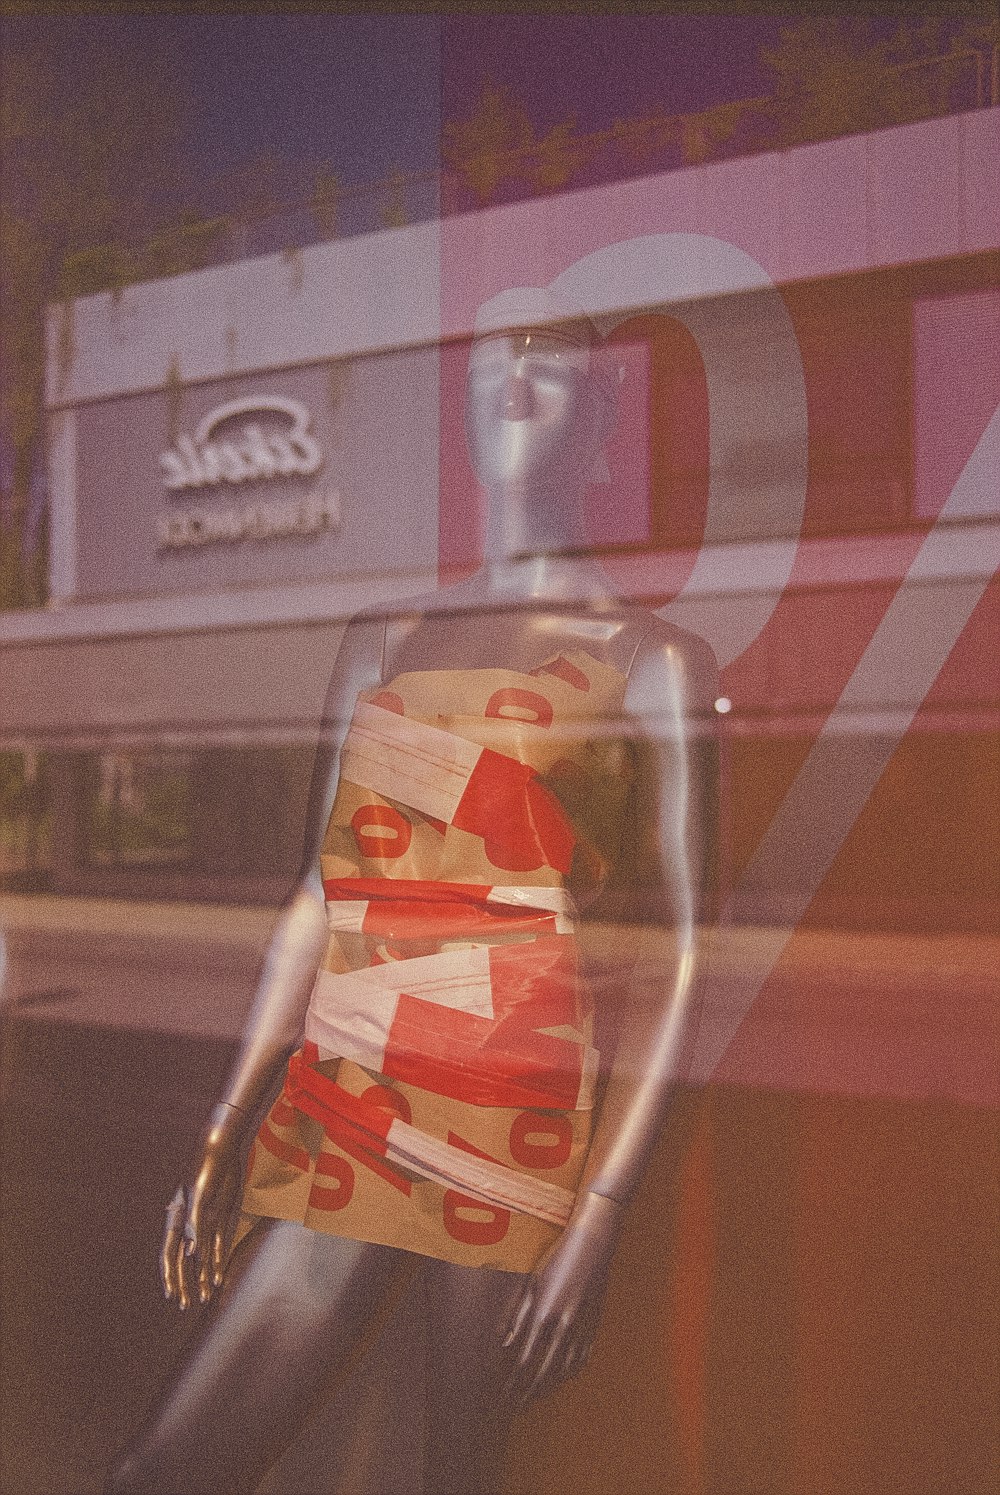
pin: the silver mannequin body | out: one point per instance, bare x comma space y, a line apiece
291, 1309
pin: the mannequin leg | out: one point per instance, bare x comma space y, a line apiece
468, 1416
294, 1310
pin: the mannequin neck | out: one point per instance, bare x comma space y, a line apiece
534, 520
528, 535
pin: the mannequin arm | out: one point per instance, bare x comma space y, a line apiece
552, 1325
203, 1213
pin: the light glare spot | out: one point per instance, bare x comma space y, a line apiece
723, 704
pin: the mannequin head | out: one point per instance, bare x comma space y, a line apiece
541, 401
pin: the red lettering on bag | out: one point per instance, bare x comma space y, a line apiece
474, 1232
330, 1166
358, 1125
381, 831
486, 1227
540, 1141
511, 704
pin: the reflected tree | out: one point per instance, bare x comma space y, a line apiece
93, 167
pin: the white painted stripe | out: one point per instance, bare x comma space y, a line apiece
418, 765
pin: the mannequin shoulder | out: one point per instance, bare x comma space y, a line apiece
655, 634
671, 654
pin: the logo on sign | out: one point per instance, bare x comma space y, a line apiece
251, 453
198, 462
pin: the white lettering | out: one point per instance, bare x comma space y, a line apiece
174, 471
232, 464
288, 462
276, 519
198, 462
189, 456
258, 455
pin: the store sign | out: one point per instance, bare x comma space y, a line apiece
289, 475
221, 454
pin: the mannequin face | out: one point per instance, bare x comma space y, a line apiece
535, 417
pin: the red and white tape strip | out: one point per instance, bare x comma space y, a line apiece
487, 1025
479, 1178
384, 1142
423, 910
457, 782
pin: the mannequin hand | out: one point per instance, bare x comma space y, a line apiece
202, 1214
552, 1325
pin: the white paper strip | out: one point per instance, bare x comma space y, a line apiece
488, 1181
350, 1013
558, 901
420, 766
346, 915
342, 1029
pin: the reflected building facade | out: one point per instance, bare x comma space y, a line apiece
244, 457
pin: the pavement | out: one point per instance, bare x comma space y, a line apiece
818, 1296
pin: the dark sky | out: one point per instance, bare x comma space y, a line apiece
367, 92
361, 91
604, 67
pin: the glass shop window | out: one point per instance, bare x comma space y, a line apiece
855, 341
956, 389
25, 819
137, 811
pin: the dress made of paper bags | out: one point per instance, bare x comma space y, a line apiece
442, 1099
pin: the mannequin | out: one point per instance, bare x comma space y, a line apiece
291, 1306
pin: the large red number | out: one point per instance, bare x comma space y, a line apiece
488, 1224
540, 1141
380, 831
